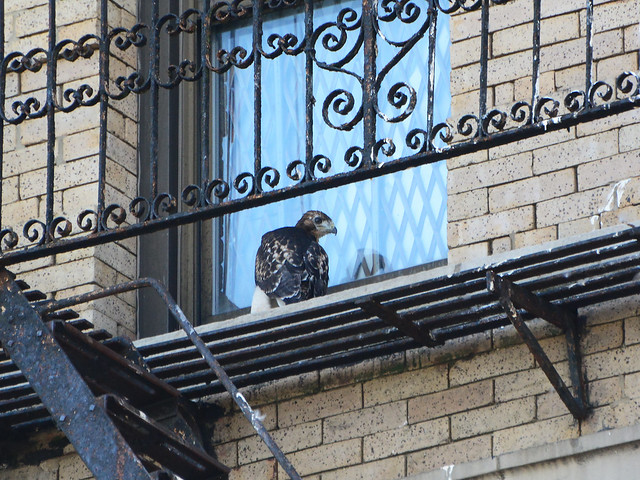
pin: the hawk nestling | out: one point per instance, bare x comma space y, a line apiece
291, 265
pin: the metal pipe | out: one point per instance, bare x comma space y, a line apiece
51, 123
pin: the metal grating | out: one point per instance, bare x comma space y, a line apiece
340, 333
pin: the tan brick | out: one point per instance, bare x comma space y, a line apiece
464, 103
465, 25
465, 79
16, 214
631, 39
15, 5
320, 405
539, 433
453, 453
560, 156
526, 383
631, 384
599, 338
25, 159
465, 52
553, 30
604, 171
503, 94
629, 193
501, 245
609, 390
610, 15
227, 454
491, 226
10, 192
617, 415
72, 468
325, 457
509, 14
523, 87
532, 190
407, 439
495, 417
632, 331
450, 401
491, 364
612, 362
363, 422
569, 78
122, 153
536, 237
532, 143
549, 8
80, 145
405, 385
571, 207
609, 68
493, 172
608, 123
579, 226
292, 439
629, 137
267, 469
468, 253
67, 175
388, 468
32, 472
620, 216
467, 204
509, 67
236, 426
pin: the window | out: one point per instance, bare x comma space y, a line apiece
385, 224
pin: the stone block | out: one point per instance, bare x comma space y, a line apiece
563, 155
491, 364
631, 330
493, 172
607, 391
453, 453
572, 228
613, 169
453, 400
536, 237
72, 468
493, 418
613, 362
292, 439
526, 383
405, 385
236, 426
572, 207
609, 68
536, 434
389, 468
467, 204
325, 457
267, 470
501, 245
414, 437
320, 405
491, 226
532, 143
532, 190
83, 144
381, 418
608, 123
468, 253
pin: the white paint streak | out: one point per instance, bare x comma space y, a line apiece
448, 471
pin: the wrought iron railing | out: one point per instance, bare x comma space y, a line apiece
351, 34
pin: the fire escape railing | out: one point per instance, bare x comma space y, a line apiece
214, 197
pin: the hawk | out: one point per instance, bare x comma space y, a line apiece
291, 265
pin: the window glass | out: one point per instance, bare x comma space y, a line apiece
385, 224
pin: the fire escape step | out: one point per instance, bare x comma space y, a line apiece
105, 371
159, 445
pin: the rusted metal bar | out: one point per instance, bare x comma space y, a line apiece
202, 348
588, 53
484, 61
104, 103
369, 83
431, 72
535, 305
51, 122
391, 317
575, 404
257, 94
535, 76
62, 390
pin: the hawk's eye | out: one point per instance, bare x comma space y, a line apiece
317, 220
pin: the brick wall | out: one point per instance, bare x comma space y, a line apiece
562, 183
76, 157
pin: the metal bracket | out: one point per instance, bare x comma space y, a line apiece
511, 298
391, 317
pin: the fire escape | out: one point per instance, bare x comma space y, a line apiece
132, 411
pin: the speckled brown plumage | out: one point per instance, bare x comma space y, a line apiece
290, 263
